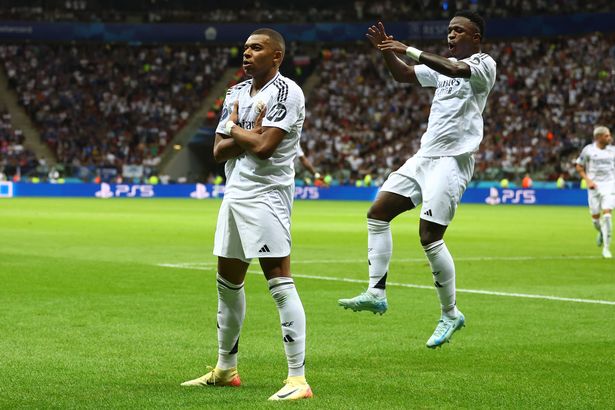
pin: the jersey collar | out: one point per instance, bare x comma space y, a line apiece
275, 77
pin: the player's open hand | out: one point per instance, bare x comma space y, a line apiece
376, 34
258, 123
393, 45
235, 113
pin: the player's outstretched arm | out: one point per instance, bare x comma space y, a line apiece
401, 71
454, 69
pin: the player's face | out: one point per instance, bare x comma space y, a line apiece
463, 37
605, 139
260, 56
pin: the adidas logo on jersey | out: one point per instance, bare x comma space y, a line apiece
264, 249
427, 212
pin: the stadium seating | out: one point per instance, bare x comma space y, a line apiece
540, 114
15, 159
110, 105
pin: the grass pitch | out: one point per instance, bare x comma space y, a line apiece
111, 304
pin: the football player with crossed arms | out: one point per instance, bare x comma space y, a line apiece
257, 136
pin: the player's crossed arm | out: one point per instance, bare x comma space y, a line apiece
260, 141
225, 147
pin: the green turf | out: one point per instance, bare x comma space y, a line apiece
89, 318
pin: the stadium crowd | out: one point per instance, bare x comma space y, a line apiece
106, 106
114, 105
540, 114
267, 11
15, 158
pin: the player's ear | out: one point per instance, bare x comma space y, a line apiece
278, 55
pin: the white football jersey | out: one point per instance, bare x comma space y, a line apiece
455, 124
599, 163
247, 175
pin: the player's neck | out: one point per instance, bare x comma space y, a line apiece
471, 53
260, 81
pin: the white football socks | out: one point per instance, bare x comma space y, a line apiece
607, 228
443, 270
379, 251
292, 320
231, 312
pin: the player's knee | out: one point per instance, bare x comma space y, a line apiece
426, 239
428, 236
376, 212
372, 213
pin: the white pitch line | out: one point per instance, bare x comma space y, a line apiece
410, 285
476, 291
409, 260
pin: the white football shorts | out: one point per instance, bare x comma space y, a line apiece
436, 182
602, 197
254, 228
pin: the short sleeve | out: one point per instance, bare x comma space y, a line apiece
426, 76
286, 107
582, 160
483, 69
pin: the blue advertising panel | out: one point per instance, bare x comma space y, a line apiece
492, 196
505, 196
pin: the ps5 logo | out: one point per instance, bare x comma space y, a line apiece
129, 191
307, 192
518, 196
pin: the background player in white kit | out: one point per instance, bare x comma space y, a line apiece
306, 163
596, 165
438, 174
254, 218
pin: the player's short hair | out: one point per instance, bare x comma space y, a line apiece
475, 18
600, 130
274, 36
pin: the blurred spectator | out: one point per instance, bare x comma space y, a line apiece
526, 182
15, 159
